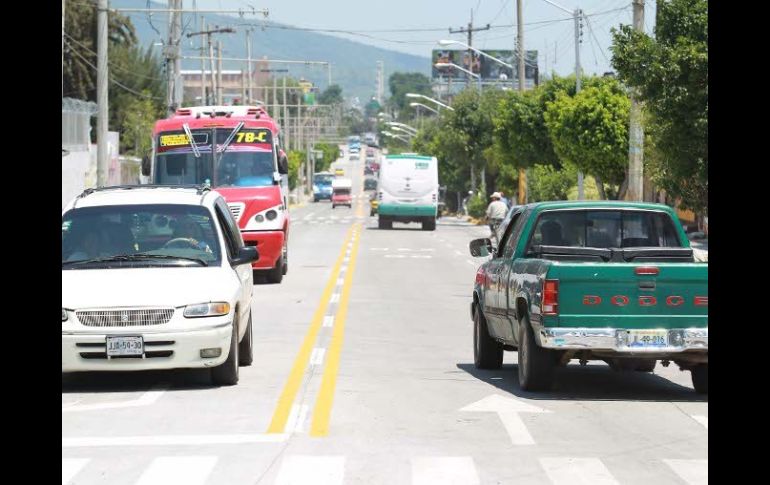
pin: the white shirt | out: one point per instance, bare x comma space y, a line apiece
497, 210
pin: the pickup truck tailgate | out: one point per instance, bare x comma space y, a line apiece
630, 295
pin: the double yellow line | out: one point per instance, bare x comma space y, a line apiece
324, 401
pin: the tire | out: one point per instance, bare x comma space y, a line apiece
315, 199
246, 347
384, 223
275, 275
429, 225
700, 378
333, 206
226, 374
487, 352
536, 364
285, 267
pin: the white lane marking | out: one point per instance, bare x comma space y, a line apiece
704, 420
190, 470
346, 259
297, 418
313, 222
335, 298
446, 470
395, 256
423, 256
70, 467
508, 409
172, 440
334, 218
145, 399
309, 216
328, 321
694, 472
340, 281
317, 356
458, 253
470, 262
577, 471
378, 249
318, 470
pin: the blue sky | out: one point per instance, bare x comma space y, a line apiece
548, 29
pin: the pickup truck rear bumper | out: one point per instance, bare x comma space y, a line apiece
616, 340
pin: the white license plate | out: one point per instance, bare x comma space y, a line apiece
647, 338
123, 346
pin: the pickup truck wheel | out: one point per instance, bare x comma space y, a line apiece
536, 364
646, 366
385, 223
429, 225
226, 374
487, 352
246, 348
700, 378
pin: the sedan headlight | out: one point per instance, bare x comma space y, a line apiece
215, 309
64, 315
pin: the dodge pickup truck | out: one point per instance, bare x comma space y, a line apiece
590, 280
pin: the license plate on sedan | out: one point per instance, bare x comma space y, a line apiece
124, 346
647, 338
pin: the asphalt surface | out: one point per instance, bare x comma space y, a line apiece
363, 374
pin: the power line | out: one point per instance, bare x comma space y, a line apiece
121, 68
114, 81
591, 31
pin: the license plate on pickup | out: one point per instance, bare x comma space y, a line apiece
647, 338
124, 346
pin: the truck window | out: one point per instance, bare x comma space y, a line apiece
605, 229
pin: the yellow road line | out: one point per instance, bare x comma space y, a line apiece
283, 408
323, 405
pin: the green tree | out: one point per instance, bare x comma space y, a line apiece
671, 73
331, 95
590, 130
139, 116
551, 183
296, 158
401, 83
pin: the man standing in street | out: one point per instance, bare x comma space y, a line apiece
505, 200
496, 211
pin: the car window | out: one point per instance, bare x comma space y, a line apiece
162, 230
518, 225
605, 229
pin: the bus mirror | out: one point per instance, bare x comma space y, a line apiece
283, 165
146, 166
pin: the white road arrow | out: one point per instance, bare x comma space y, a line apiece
508, 409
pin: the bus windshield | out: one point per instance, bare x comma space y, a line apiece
249, 160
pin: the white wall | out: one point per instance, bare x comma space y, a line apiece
77, 173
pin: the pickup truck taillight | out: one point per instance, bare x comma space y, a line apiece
550, 305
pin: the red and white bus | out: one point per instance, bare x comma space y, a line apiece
237, 151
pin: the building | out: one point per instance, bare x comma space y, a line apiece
234, 84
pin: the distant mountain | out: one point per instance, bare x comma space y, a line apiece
353, 64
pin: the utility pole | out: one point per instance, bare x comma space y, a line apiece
204, 98
285, 117
636, 131
219, 74
102, 96
171, 52
248, 55
469, 30
520, 35
578, 41
274, 110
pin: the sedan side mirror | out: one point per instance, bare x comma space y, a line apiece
246, 255
481, 247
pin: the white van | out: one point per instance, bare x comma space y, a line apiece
408, 190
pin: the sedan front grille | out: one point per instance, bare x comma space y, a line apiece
125, 318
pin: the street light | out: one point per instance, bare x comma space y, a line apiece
393, 135
414, 105
396, 124
406, 132
460, 68
415, 95
450, 42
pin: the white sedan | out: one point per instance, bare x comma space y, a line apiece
155, 278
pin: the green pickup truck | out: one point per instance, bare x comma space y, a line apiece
590, 280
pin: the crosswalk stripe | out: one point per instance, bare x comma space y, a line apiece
70, 467
446, 470
704, 420
577, 471
318, 470
190, 470
694, 472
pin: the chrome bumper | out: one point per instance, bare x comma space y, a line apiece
614, 339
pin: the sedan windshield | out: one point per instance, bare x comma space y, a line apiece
139, 235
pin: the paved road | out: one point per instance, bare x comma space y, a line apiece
363, 374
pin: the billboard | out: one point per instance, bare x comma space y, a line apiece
478, 64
